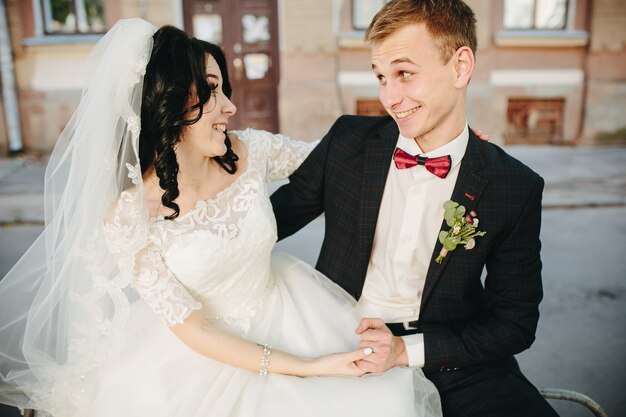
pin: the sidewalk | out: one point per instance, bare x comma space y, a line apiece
575, 177
21, 190
578, 177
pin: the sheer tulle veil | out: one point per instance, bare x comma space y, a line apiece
63, 305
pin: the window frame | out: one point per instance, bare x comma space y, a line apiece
569, 36
566, 14
44, 13
353, 14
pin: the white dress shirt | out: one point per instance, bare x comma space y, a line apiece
407, 230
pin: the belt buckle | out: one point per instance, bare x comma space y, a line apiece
407, 325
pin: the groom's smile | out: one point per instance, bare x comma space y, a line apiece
403, 114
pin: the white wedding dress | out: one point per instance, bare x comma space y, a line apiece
218, 258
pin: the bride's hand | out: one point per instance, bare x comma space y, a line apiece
339, 364
481, 135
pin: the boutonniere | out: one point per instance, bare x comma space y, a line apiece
462, 229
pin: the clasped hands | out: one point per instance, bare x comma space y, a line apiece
379, 350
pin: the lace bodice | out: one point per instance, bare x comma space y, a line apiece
216, 256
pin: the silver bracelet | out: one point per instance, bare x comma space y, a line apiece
265, 360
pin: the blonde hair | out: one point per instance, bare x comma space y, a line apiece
451, 23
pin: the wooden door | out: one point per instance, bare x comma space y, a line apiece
247, 31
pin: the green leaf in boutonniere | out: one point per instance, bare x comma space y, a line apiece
462, 229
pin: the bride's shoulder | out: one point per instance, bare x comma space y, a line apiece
251, 136
257, 142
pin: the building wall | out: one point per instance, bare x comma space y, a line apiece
50, 75
308, 102
49, 78
523, 70
325, 69
584, 65
605, 103
533, 67
15, 31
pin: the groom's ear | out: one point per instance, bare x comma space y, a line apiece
463, 63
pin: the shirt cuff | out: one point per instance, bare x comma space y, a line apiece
415, 349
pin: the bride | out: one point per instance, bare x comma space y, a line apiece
153, 290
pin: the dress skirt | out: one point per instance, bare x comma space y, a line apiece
157, 375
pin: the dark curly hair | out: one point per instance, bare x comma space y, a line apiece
177, 63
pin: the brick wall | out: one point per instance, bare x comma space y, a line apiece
604, 120
607, 25
307, 101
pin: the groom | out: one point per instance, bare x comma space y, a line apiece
383, 210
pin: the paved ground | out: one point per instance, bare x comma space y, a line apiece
581, 340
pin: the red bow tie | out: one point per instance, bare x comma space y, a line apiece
439, 166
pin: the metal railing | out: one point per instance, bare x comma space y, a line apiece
568, 395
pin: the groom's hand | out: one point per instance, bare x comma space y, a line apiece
388, 350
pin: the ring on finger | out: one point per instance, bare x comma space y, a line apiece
368, 351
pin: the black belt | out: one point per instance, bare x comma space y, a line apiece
403, 329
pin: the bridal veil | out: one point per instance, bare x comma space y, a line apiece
62, 306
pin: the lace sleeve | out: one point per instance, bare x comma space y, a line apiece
283, 154
160, 289
126, 232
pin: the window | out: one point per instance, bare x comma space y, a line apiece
534, 121
363, 11
535, 14
208, 27
73, 16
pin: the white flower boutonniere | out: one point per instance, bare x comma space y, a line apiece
462, 229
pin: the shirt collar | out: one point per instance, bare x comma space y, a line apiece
455, 148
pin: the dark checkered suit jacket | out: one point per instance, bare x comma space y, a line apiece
464, 322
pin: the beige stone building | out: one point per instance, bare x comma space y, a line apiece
548, 71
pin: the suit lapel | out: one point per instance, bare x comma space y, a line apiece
376, 161
469, 187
